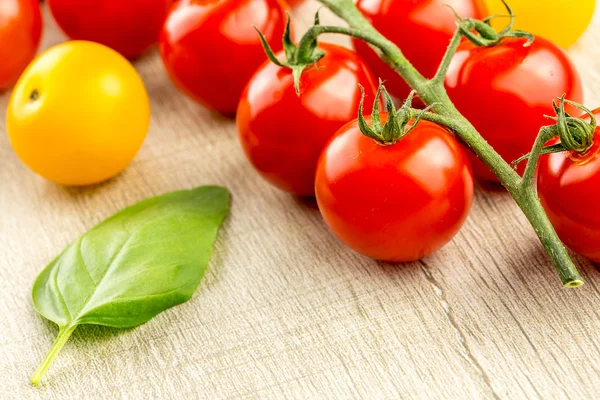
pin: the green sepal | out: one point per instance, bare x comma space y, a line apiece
297, 73
375, 116
288, 45
392, 129
369, 131
481, 33
397, 124
298, 58
575, 134
268, 50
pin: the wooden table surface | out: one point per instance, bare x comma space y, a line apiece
285, 311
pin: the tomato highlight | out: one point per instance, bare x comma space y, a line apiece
211, 50
422, 29
20, 34
282, 132
398, 202
506, 90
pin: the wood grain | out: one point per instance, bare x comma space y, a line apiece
285, 310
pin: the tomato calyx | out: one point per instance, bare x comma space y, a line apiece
482, 34
299, 57
398, 121
584, 158
576, 135
34, 95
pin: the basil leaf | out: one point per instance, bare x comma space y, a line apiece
134, 265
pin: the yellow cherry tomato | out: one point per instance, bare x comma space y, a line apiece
79, 114
560, 21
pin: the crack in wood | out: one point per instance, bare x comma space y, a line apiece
467, 354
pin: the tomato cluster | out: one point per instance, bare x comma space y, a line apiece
395, 197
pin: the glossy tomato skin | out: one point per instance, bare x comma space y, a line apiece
506, 90
78, 114
283, 133
569, 188
130, 27
20, 34
211, 50
395, 203
422, 29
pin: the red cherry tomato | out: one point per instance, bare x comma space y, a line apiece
397, 203
569, 188
20, 33
130, 27
506, 90
211, 50
283, 133
421, 28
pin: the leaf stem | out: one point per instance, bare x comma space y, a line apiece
63, 336
433, 92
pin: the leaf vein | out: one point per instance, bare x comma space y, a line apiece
84, 263
60, 295
112, 262
146, 296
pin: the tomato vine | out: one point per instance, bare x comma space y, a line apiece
433, 93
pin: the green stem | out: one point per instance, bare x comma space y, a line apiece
447, 115
433, 91
546, 133
522, 190
528, 199
442, 71
392, 55
315, 31
529, 202
438, 119
63, 336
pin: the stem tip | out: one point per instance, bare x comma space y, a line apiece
574, 284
